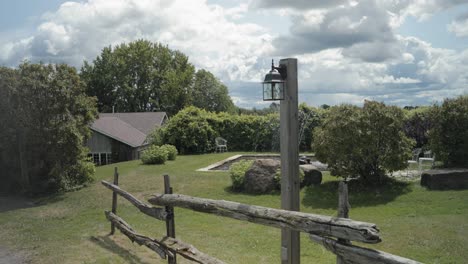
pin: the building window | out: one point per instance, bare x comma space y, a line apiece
101, 158
96, 158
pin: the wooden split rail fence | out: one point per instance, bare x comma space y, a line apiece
334, 233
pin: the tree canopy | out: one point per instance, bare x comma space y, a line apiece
210, 94
143, 76
448, 136
365, 142
46, 114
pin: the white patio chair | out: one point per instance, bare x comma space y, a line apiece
414, 160
428, 156
221, 144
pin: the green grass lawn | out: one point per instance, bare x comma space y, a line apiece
428, 226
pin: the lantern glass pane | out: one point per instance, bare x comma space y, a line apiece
267, 91
278, 89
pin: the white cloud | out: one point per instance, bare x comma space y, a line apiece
459, 26
78, 31
348, 51
364, 24
423, 9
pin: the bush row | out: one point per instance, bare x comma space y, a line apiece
441, 128
193, 130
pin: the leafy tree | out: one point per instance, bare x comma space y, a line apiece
139, 76
210, 94
449, 134
9, 163
273, 108
417, 124
48, 125
189, 131
365, 142
309, 118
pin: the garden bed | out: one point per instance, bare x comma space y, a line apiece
225, 164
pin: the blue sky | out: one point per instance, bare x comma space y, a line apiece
401, 52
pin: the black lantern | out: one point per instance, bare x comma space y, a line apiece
274, 83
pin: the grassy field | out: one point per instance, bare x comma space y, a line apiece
428, 226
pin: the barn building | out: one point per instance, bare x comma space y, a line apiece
122, 136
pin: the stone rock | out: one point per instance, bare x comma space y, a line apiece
445, 179
260, 177
312, 176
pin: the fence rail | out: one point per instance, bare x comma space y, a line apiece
355, 254
320, 228
166, 246
299, 221
158, 213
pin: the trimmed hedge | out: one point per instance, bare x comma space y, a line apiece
193, 130
154, 155
171, 151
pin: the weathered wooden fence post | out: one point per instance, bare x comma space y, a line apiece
289, 146
114, 199
170, 225
343, 212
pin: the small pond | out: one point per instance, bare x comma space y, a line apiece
226, 164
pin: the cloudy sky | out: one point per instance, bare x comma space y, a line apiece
401, 52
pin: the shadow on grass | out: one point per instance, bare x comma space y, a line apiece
108, 244
325, 196
230, 190
11, 203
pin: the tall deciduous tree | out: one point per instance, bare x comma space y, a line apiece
210, 94
365, 142
139, 76
449, 135
49, 114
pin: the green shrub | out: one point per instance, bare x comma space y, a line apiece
189, 131
449, 135
367, 142
277, 178
193, 130
154, 155
417, 123
171, 151
237, 172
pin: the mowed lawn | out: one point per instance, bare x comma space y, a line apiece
428, 226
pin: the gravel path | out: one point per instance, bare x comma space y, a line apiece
10, 257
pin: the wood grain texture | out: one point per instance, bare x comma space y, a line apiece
299, 221
127, 230
289, 145
166, 246
343, 211
354, 254
114, 198
158, 213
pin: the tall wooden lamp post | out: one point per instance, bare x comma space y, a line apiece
281, 84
